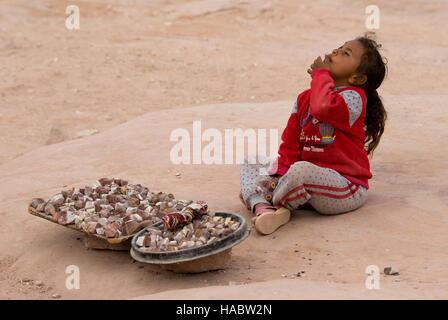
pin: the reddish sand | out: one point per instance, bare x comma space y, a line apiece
137, 71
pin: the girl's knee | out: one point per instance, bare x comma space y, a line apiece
303, 165
300, 169
328, 208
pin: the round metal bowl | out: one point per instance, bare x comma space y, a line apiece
169, 257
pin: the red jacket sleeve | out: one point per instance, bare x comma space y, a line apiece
326, 105
289, 150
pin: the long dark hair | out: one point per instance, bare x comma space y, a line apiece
374, 66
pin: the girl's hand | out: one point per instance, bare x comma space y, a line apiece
319, 64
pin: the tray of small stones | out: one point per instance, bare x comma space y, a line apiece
111, 209
212, 233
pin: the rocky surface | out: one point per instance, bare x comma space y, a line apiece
391, 271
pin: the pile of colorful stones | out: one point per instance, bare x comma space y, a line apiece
201, 231
111, 207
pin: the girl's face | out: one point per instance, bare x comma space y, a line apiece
344, 61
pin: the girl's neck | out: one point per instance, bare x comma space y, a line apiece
341, 83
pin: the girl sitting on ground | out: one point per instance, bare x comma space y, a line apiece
333, 127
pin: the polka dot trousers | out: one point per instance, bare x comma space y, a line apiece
304, 186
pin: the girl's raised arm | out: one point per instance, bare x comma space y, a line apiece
339, 110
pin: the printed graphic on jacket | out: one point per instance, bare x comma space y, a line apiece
314, 143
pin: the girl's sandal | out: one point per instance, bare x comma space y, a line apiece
267, 221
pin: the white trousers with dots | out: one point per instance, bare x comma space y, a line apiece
304, 184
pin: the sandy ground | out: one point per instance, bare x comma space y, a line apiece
136, 70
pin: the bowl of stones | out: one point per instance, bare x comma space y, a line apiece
203, 244
109, 212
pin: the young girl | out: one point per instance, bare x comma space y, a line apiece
333, 126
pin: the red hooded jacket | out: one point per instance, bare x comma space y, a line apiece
326, 128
